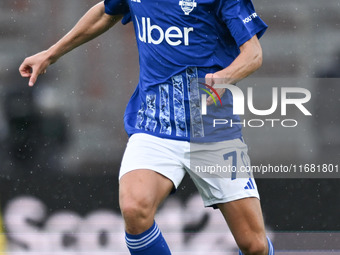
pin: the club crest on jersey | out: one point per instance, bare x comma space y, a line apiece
187, 5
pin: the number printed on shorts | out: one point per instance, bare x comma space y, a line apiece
233, 156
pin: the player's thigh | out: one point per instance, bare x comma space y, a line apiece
244, 217
149, 171
143, 189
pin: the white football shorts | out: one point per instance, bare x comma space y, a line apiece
220, 170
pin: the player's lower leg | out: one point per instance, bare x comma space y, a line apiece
149, 242
140, 193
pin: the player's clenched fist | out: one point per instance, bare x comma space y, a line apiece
35, 65
211, 79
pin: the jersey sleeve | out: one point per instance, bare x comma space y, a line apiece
241, 19
118, 7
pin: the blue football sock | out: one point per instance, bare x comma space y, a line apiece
270, 248
150, 242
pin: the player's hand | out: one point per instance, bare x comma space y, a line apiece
211, 79
34, 66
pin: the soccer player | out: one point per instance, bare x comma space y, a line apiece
179, 41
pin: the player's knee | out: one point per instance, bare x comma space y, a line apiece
136, 209
255, 246
137, 214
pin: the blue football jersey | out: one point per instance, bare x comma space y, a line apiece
180, 41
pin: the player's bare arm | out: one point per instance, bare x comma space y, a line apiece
91, 25
247, 62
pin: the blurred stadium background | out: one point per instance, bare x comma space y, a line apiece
61, 141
